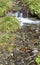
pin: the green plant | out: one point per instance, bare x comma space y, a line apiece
37, 60
9, 23
34, 6
5, 5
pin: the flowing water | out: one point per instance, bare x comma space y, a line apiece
22, 20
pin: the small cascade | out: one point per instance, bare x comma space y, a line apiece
16, 14
21, 19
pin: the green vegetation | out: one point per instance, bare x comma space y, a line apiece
7, 40
9, 23
5, 5
38, 60
8, 5
34, 6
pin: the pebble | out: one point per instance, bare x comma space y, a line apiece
35, 51
11, 54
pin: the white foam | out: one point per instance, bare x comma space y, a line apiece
27, 20
22, 20
35, 51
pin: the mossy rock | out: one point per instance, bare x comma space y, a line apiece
9, 23
34, 6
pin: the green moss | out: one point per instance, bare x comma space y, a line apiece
5, 5
7, 37
9, 23
4, 38
34, 6
2, 11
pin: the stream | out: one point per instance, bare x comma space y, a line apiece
22, 20
25, 42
